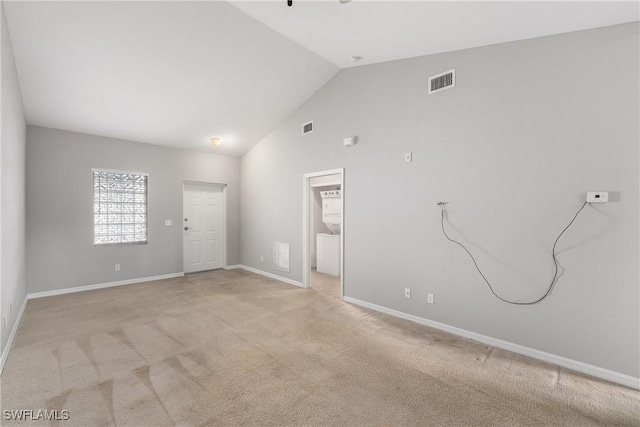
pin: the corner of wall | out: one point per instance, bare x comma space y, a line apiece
13, 292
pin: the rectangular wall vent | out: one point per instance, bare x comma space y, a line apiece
281, 256
307, 127
442, 81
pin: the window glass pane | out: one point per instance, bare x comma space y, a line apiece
120, 208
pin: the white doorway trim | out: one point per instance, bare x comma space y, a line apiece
224, 216
306, 227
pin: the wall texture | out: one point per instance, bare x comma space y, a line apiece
528, 129
12, 190
60, 251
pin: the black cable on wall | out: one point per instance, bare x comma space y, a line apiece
553, 254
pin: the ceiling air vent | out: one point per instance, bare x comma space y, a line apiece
442, 81
307, 127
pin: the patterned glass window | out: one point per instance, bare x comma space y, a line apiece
119, 207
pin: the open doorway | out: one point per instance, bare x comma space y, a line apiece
323, 231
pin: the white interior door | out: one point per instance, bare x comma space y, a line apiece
203, 227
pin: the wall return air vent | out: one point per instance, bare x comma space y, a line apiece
307, 127
281, 256
442, 81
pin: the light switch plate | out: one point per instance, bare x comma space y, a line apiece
408, 157
167, 222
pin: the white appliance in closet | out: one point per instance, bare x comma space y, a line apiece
328, 244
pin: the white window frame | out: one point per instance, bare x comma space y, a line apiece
146, 210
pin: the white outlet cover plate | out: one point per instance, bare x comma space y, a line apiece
598, 197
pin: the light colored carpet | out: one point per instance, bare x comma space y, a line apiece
235, 348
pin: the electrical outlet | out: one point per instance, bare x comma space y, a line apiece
168, 223
117, 267
407, 292
430, 299
408, 157
261, 258
598, 196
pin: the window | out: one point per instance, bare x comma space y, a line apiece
119, 207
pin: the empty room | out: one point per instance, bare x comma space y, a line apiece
337, 212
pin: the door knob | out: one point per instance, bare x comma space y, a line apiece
186, 228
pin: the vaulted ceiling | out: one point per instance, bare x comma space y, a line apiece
179, 73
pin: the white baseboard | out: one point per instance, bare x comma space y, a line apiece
102, 285
232, 267
12, 335
272, 276
595, 371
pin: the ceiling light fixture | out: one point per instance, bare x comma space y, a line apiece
356, 58
216, 141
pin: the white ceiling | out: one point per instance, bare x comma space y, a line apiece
166, 73
387, 30
178, 73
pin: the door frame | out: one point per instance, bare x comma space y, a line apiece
306, 226
224, 216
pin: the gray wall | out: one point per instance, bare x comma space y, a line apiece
528, 129
12, 190
60, 251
